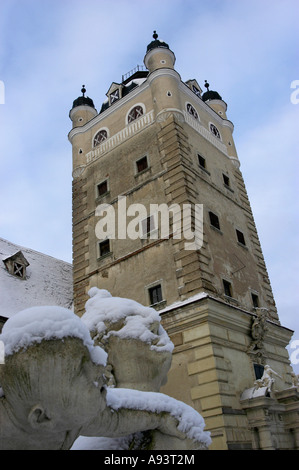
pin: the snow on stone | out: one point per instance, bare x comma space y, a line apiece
190, 422
35, 324
48, 282
181, 303
140, 322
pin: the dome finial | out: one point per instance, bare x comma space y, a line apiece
207, 85
155, 35
83, 90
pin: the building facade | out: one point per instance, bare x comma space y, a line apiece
161, 215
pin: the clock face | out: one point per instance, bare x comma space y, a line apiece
114, 96
195, 90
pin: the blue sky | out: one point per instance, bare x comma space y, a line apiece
247, 50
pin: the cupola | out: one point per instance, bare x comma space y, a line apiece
215, 101
83, 100
209, 94
158, 55
83, 109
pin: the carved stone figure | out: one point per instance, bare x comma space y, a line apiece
258, 332
56, 385
295, 379
267, 380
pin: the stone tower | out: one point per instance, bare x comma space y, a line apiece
159, 146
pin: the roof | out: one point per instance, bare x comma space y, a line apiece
156, 43
48, 281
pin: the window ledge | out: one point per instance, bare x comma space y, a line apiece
228, 298
142, 172
242, 245
216, 229
159, 305
205, 170
102, 196
106, 255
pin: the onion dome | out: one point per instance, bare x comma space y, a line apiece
156, 43
83, 100
209, 94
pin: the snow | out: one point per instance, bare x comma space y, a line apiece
181, 303
35, 324
49, 281
190, 422
140, 322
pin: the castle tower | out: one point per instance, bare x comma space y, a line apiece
157, 143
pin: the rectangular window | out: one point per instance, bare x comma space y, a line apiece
214, 220
240, 237
142, 164
104, 247
258, 371
255, 300
102, 188
201, 161
227, 288
226, 180
147, 225
155, 294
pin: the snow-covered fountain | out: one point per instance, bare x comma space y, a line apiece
92, 382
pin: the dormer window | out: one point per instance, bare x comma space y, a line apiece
16, 265
114, 93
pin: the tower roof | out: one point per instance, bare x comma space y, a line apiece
210, 94
83, 100
156, 43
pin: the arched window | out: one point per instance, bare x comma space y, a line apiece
100, 137
191, 110
215, 131
135, 113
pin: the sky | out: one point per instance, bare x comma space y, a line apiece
248, 52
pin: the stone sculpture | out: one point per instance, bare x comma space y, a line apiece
267, 380
62, 379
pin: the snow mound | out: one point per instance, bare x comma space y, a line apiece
35, 324
139, 322
190, 422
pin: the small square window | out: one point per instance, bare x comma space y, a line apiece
142, 164
104, 247
227, 288
18, 270
255, 300
214, 220
240, 237
201, 161
155, 294
226, 180
102, 188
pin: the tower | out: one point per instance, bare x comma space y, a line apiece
157, 143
